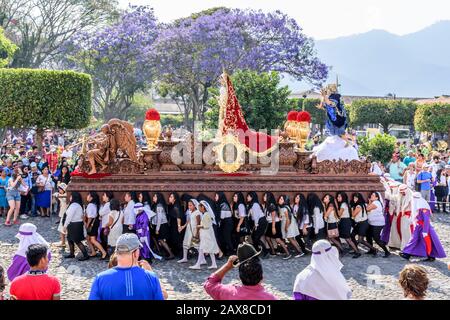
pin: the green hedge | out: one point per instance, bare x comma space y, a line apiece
45, 99
432, 117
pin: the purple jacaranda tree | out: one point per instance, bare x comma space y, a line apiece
119, 59
190, 54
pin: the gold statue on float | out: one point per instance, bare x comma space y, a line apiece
116, 138
152, 128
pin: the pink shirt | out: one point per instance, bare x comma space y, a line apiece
218, 291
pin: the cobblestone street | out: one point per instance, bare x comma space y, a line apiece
369, 277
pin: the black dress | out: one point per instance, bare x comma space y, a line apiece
75, 231
175, 238
92, 230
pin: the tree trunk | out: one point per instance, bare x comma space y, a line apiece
39, 138
3, 132
385, 127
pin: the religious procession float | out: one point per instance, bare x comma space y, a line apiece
237, 159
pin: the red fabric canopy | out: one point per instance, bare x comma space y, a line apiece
234, 121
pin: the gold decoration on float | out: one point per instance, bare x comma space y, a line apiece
230, 153
152, 131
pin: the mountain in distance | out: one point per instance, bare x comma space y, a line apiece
377, 62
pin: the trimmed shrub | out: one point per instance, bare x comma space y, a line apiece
45, 99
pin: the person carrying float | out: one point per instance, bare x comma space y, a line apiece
143, 216
424, 241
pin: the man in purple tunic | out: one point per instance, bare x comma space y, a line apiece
27, 236
143, 232
322, 279
424, 241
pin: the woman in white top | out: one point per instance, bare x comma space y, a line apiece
208, 243
304, 221
13, 197
160, 223
104, 211
193, 219
359, 215
74, 226
345, 222
332, 219
289, 226
316, 210
376, 222
43, 198
92, 224
273, 232
240, 218
409, 177
129, 215
259, 223
114, 226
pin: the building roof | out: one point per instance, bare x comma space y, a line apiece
442, 99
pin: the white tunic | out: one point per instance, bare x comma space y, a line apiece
376, 216
292, 231
191, 230
208, 241
318, 221
129, 216
116, 230
104, 213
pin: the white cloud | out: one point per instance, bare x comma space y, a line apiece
324, 18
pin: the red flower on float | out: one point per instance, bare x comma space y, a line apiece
303, 116
152, 114
292, 115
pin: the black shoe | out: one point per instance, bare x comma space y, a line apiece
57, 222
386, 254
404, 255
83, 258
356, 255
69, 256
370, 252
431, 259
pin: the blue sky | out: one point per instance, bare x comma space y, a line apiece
322, 19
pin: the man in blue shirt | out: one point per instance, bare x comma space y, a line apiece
396, 169
410, 158
424, 179
131, 279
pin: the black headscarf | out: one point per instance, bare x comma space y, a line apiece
302, 207
175, 210
254, 197
159, 201
185, 198
222, 200
314, 202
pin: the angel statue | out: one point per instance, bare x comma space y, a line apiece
337, 121
336, 146
114, 136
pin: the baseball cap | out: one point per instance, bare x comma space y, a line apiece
33, 164
128, 242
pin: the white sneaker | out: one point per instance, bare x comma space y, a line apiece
212, 267
195, 267
182, 261
24, 216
